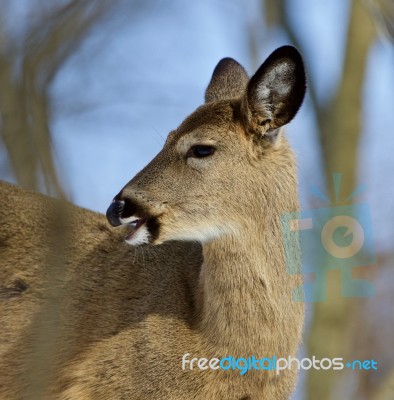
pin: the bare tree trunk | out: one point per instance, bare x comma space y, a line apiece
341, 128
14, 130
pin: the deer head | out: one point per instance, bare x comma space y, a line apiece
227, 164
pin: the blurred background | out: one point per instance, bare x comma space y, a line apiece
90, 89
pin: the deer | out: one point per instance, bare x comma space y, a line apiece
187, 266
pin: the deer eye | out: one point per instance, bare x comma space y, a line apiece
200, 151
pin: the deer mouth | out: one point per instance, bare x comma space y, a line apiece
134, 226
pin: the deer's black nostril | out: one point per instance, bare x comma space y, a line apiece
114, 212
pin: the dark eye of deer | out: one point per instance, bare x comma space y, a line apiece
200, 151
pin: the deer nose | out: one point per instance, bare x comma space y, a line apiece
114, 212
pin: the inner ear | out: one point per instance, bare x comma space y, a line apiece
276, 91
228, 81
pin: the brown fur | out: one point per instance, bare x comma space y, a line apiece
85, 316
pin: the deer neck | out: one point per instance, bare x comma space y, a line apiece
245, 293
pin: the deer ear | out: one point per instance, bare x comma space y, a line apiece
228, 81
275, 93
